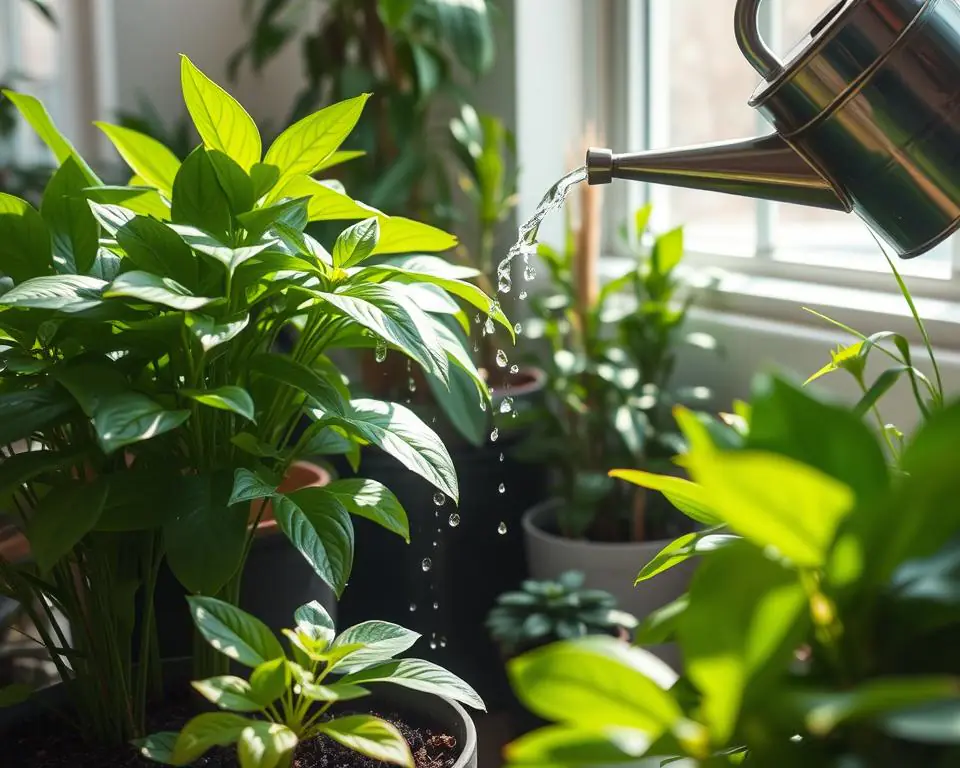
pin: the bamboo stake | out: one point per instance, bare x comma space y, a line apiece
588, 243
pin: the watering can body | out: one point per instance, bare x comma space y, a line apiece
866, 112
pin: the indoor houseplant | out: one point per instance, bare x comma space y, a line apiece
609, 356
147, 419
820, 628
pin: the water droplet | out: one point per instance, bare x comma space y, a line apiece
518, 329
454, 520
495, 435
502, 358
443, 641
522, 295
514, 369
426, 564
502, 488
502, 528
439, 499
477, 318
433, 644
412, 385
489, 328
529, 273
381, 353
436, 544
501, 457
413, 607
483, 405
507, 405
505, 283
436, 606
476, 346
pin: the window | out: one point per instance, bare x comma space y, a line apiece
690, 85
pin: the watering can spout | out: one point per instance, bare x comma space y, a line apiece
764, 168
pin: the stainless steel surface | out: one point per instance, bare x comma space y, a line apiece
867, 113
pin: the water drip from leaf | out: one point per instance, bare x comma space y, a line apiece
443, 641
495, 435
523, 295
426, 564
489, 328
502, 528
436, 605
514, 369
502, 358
381, 352
439, 499
518, 329
502, 488
413, 607
529, 273
412, 385
454, 520
507, 405
501, 458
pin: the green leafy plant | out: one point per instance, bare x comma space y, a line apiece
610, 362
544, 611
147, 417
288, 696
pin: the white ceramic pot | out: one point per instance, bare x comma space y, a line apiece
612, 567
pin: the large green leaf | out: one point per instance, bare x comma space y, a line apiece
211, 334
147, 157
400, 235
25, 249
226, 398
39, 119
419, 675
307, 144
110, 216
401, 434
688, 497
229, 692
270, 680
319, 526
374, 501
206, 731
198, 198
144, 201
63, 517
370, 736
154, 289
76, 234
27, 411
311, 382
62, 293
597, 682
292, 213
222, 123
234, 181
235, 633
325, 203
382, 310
682, 549
313, 619
356, 243
467, 29
745, 615
381, 640
154, 247
266, 745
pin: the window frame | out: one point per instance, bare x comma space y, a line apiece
627, 53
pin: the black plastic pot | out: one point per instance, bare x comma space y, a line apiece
418, 709
469, 565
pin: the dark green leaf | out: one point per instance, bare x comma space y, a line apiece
25, 249
381, 640
264, 178
307, 380
30, 410
62, 293
153, 247
226, 398
234, 633
11, 695
374, 501
158, 746
247, 486
198, 198
75, 231
63, 517
234, 181
293, 213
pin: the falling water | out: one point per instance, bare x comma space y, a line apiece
381, 352
502, 358
502, 528
439, 499
454, 520
426, 564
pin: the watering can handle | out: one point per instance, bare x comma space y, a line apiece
754, 49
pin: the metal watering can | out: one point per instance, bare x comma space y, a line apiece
866, 110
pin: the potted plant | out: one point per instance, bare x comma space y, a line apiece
145, 408
610, 355
821, 625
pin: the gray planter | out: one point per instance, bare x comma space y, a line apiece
609, 566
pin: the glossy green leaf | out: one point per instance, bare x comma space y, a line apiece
153, 247
211, 333
228, 692
313, 619
234, 181
198, 199
235, 633
597, 682
309, 381
307, 144
266, 745
143, 201
226, 398
467, 26
75, 231
147, 157
62, 293
27, 411
682, 549
355, 244
419, 675
400, 235
248, 486
381, 640
264, 178
325, 203
202, 733
222, 123
575, 746
231, 258
401, 434
158, 746
111, 217
63, 517
374, 501
688, 497
293, 213
25, 249
270, 680
319, 526
370, 736
335, 692
154, 289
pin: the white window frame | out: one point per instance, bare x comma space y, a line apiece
626, 62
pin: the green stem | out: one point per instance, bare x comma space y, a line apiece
148, 631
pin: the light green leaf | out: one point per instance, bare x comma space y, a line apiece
247, 486
326, 203
63, 517
63, 293
370, 736
667, 251
303, 147
75, 231
319, 526
356, 243
335, 692
222, 123
311, 382
374, 501
381, 640
226, 398
202, 733
144, 201
597, 682
570, 745
266, 745
419, 675
154, 289
313, 619
235, 633
400, 235
154, 247
270, 680
400, 433
25, 249
158, 746
228, 692
688, 497
147, 157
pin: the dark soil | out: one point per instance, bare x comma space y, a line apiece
49, 743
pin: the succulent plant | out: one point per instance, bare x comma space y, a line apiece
544, 611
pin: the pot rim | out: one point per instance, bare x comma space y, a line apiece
531, 525
538, 383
